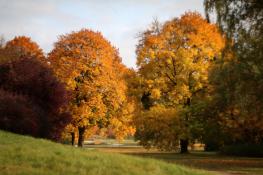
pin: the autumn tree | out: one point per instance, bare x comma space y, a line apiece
173, 61
31, 99
121, 124
92, 70
159, 126
17, 114
237, 77
23, 47
2, 41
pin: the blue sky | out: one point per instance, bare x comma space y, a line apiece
118, 20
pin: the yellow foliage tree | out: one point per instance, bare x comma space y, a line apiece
173, 62
160, 127
122, 123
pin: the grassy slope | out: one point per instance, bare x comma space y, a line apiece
26, 155
211, 161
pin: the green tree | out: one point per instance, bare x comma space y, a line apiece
237, 78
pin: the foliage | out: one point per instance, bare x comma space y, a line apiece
160, 127
237, 77
173, 61
2, 41
22, 47
31, 99
204, 126
121, 123
17, 114
92, 70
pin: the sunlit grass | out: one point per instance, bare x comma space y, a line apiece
26, 155
211, 161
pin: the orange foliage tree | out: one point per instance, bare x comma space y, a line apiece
93, 72
23, 47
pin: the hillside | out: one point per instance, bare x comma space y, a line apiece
27, 155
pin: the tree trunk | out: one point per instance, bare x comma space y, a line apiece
81, 136
184, 142
184, 145
72, 138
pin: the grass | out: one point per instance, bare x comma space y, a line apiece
26, 155
202, 160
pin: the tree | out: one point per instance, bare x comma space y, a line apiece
23, 47
159, 126
2, 42
17, 114
173, 61
121, 123
237, 77
31, 99
92, 71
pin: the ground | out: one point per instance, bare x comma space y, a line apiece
29, 156
211, 161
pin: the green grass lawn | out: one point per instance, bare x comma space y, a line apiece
27, 155
202, 160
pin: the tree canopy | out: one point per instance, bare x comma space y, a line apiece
31, 99
237, 77
173, 61
23, 47
93, 71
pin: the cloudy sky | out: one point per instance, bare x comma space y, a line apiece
118, 20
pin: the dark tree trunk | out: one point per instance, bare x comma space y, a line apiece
146, 101
184, 145
81, 136
185, 142
72, 138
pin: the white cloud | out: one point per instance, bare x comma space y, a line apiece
118, 20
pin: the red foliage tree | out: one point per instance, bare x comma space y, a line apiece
33, 97
17, 114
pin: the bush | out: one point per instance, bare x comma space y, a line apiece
250, 150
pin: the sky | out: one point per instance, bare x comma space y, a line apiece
119, 21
